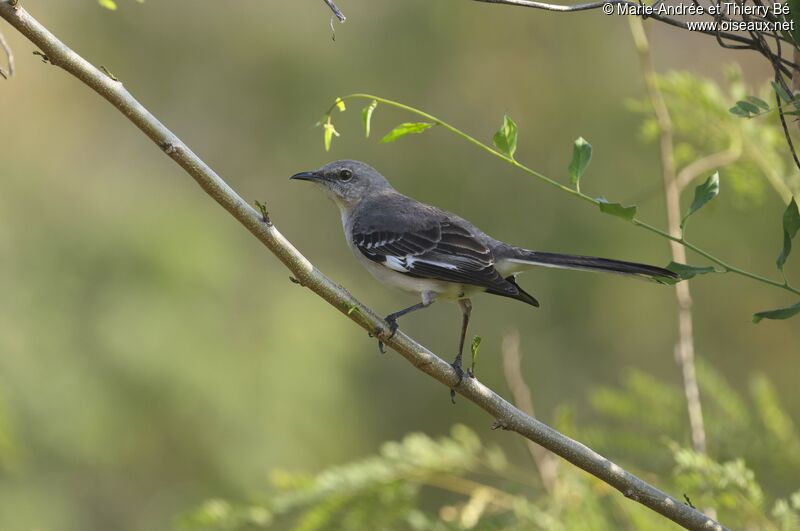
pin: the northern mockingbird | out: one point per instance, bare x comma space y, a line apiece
422, 249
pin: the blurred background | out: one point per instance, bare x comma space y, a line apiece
154, 355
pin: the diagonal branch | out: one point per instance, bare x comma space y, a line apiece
336, 10
508, 417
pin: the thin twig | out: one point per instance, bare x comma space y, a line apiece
684, 349
9, 58
561, 8
512, 369
336, 10
506, 415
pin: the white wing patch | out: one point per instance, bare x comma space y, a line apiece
405, 264
411, 260
396, 263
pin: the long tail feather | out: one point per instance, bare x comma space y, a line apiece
588, 263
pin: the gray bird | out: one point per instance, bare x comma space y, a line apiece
422, 249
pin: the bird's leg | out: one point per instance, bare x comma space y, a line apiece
391, 319
466, 310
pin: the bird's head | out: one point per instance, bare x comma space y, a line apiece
347, 182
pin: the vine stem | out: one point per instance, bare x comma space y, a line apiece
726, 267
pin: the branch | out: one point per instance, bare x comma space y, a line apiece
336, 10
507, 416
748, 43
9, 58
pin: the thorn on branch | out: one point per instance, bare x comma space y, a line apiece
44, 58
500, 424
264, 213
688, 501
107, 72
380, 333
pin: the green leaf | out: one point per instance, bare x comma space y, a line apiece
781, 92
476, 343
616, 209
581, 156
702, 195
758, 102
108, 4
404, 129
687, 271
340, 104
505, 139
366, 115
747, 106
328, 134
791, 224
738, 111
780, 313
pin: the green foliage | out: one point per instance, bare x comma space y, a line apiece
112, 4
505, 139
703, 125
756, 429
366, 116
329, 131
404, 129
476, 344
475, 486
378, 492
752, 106
581, 156
686, 271
702, 195
730, 486
781, 92
777, 314
616, 209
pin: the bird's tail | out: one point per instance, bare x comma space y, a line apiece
521, 259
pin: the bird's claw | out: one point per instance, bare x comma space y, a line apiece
381, 334
393, 326
456, 365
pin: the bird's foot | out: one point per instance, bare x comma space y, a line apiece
380, 333
456, 365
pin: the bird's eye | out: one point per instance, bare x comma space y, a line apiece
345, 175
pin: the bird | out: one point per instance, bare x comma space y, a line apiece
437, 255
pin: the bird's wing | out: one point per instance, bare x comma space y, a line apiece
443, 250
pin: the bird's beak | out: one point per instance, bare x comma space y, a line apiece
305, 176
